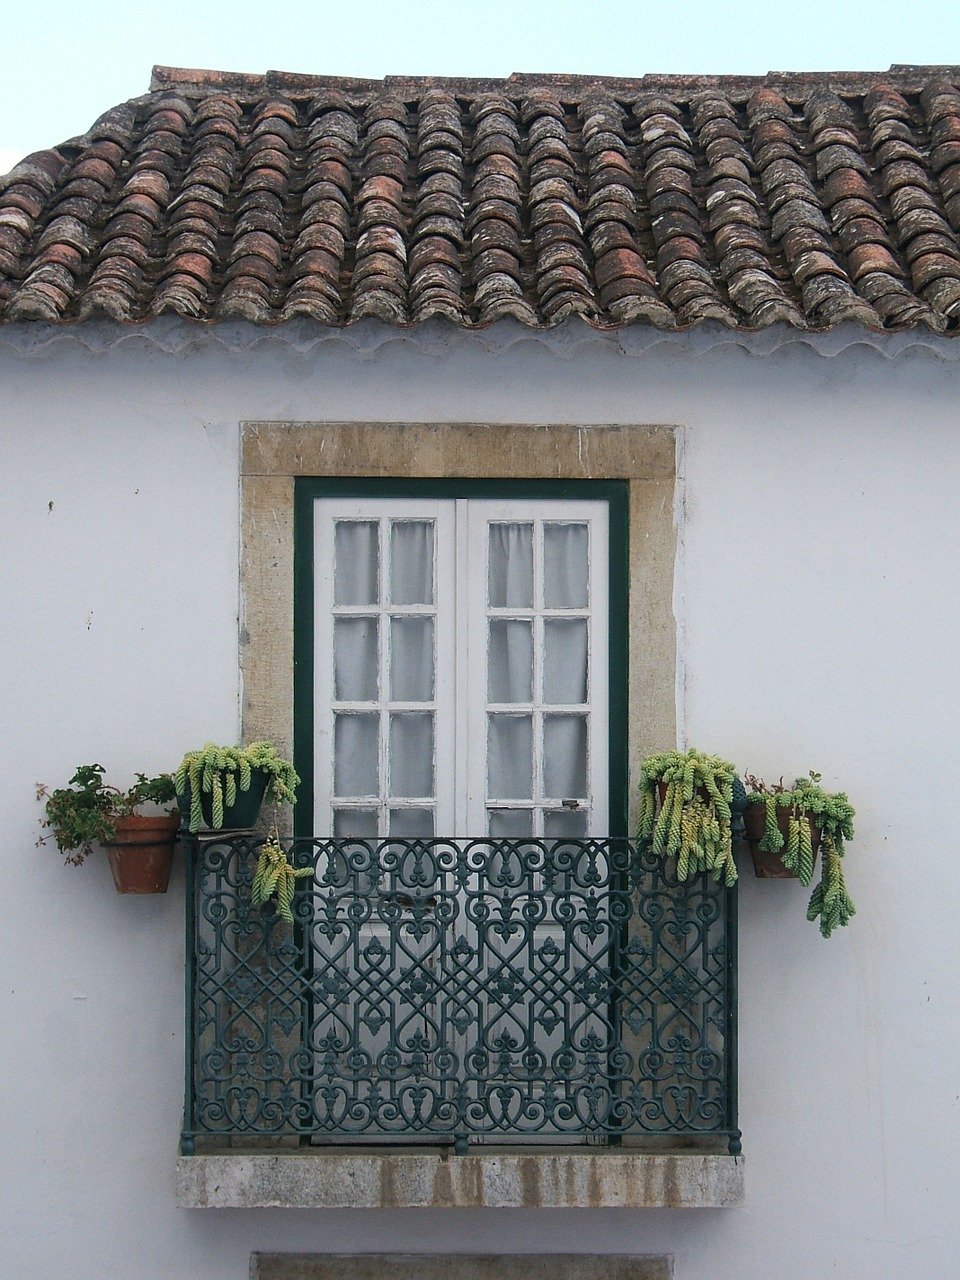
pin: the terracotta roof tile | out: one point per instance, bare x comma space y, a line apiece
805, 200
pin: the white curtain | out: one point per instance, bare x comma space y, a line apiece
357, 570
411, 659
510, 566
565, 550
410, 662
510, 661
510, 666
509, 757
411, 562
355, 754
565, 757
411, 754
355, 659
408, 556
564, 661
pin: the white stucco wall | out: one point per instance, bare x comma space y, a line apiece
819, 604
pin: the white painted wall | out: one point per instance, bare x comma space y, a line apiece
820, 604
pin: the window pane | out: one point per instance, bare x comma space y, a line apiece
567, 824
355, 659
510, 757
565, 756
360, 824
510, 567
411, 754
411, 824
510, 661
357, 567
510, 824
411, 562
355, 753
565, 566
411, 659
564, 660
353, 868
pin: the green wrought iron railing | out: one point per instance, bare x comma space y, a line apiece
458, 991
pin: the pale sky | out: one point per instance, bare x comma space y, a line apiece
67, 63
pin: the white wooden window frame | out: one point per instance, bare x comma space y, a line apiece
460, 703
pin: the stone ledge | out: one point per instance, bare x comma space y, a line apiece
441, 1266
433, 1179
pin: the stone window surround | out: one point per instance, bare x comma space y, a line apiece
273, 454
441, 1266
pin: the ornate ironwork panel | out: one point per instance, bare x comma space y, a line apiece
459, 990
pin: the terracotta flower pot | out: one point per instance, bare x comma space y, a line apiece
142, 853
769, 866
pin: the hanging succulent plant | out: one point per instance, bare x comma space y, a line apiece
276, 876
831, 814
693, 825
217, 775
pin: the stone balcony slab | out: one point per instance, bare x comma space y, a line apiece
431, 1178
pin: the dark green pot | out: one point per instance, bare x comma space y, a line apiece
236, 817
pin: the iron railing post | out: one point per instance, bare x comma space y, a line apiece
188, 1133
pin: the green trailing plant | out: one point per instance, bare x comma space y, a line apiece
85, 811
276, 876
806, 801
694, 820
223, 772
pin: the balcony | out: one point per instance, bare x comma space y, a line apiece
496, 1009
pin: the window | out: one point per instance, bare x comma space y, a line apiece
458, 639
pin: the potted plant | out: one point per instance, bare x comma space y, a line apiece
222, 788
88, 810
686, 812
786, 826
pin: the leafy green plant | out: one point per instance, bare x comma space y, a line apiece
694, 819
85, 811
276, 876
806, 801
222, 772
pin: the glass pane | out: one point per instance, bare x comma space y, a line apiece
565, 756
355, 659
360, 824
357, 562
565, 566
510, 757
353, 868
509, 824
510, 566
564, 660
510, 661
411, 660
355, 753
567, 824
411, 562
410, 824
411, 754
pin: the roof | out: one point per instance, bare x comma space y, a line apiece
805, 200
